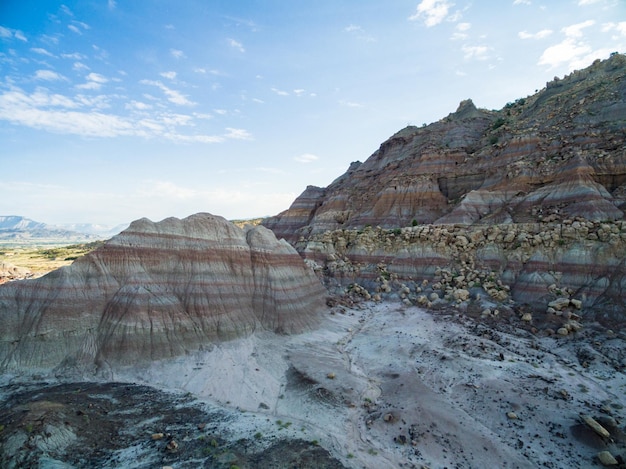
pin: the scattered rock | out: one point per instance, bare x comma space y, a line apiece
595, 426
607, 459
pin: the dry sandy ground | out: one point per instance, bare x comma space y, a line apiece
387, 386
384, 386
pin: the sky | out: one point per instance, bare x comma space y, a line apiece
114, 110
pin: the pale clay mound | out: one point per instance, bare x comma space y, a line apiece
157, 290
387, 386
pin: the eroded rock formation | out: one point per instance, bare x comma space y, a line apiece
554, 155
531, 197
158, 290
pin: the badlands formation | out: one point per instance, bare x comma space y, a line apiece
472, 317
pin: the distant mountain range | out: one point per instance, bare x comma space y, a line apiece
16, 229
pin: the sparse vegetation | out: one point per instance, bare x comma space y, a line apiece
500, 121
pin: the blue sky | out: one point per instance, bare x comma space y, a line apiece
113, 110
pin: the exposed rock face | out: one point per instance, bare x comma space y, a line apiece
158, 290
533, 194
557, 154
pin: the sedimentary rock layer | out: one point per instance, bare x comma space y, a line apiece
554, 155
158, 290
522, 265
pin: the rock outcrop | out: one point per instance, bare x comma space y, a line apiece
158, 290
532, 196
557, 154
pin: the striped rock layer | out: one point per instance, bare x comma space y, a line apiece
555, 155
158, 290
532, 264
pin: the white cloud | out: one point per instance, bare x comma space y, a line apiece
20, 35
173, 96
298, 92
137, 105
79, 66
576, 30
280, 92
566, 51
7, 33
177, 54
169, 75
352, 104
41, 51
433, 12
236, 45
306, 158
573, 50
359, 32
460, 33
97, 78
74, 56
522, 2
169, 26
94, 82
74, 28
238, 134
620, 27
48, 75
587, 2
61, 114
538, 35
111, 4
475, 52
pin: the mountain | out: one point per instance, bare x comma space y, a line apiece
158, 290
20, 230
531, 197
102, 231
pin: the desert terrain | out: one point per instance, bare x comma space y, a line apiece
377, 385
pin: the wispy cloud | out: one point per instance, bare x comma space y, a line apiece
538, 35
352, 104
475, 52
78, 66
619, 28
587, 2
173, 96
432, 12
522, 2
137, 105
236, 45
41, 51
177, 54
359, 33
48, 75
111, 4
6, 33
20, 35
460, 31
306, 158
280, 92
238, 134
94, 82
78, 27
76, 116
169, 75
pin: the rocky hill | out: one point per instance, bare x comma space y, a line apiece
158, 290
18, 230
531, 196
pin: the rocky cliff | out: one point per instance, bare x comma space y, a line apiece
158, 290
536, 190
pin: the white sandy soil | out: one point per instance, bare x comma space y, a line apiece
385, 386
